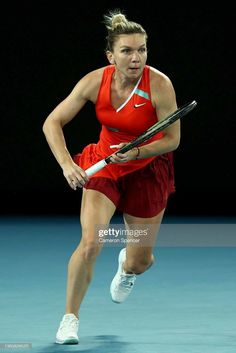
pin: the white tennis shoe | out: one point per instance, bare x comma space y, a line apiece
68, 330
122, 284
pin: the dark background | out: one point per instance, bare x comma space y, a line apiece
46, 50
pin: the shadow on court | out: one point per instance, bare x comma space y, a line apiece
90, 344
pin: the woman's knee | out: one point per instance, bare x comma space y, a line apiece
139, 265
90, 249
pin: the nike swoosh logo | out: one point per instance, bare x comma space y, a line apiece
139, 105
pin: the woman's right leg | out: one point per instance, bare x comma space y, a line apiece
96, 209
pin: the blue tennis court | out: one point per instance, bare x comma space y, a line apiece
184, 303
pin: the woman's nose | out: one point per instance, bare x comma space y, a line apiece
135, 56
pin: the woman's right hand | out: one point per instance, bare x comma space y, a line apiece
75, 176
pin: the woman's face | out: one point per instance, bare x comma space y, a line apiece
129, 55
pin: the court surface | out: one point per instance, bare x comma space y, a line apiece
186, 303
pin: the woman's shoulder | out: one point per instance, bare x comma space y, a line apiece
90, 83
159, 76
94, 75
159, 80
161, 86
97, 74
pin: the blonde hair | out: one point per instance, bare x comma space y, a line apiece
116, 24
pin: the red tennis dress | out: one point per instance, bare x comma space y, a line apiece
155, 174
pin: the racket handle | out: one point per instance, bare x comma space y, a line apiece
96, 167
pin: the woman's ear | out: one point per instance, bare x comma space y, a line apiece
110, 57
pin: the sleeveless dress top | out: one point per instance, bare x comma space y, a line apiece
131, 119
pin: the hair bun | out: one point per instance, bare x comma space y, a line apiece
117, 20
116, 24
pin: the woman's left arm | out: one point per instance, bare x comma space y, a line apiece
164, 101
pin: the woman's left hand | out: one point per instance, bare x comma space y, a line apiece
124, 157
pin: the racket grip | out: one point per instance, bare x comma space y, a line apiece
96, 167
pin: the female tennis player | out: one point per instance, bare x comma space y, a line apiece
129, 96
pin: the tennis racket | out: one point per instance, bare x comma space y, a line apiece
153, 130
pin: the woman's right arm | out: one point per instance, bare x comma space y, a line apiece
85, 90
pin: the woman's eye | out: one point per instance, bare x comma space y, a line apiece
129, 51
125, 50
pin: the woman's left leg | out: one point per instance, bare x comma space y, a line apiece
138, 256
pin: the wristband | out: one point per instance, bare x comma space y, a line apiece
138, 152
